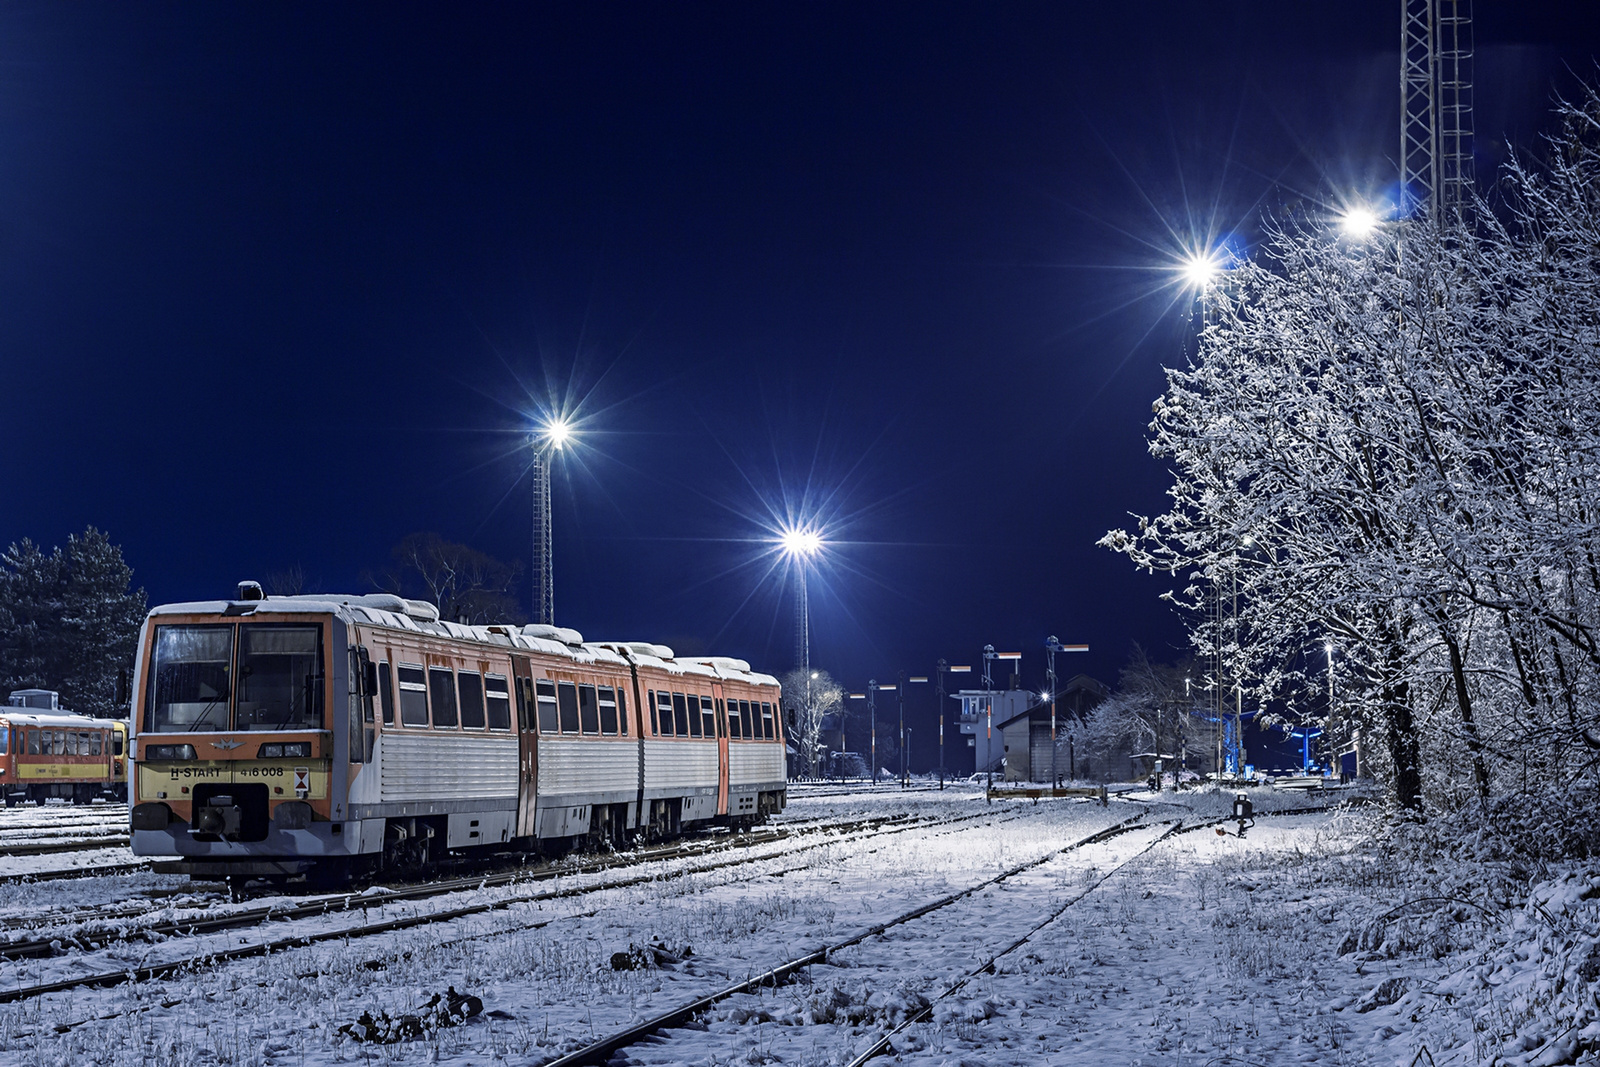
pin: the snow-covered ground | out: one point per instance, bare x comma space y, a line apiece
1304, 941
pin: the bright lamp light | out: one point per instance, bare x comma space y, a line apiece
1200, 270
557, 432
1359, 223
801, 542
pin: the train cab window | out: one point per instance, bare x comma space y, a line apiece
547, 706
280, 677
766, 721
608, 710
116, 743
568, 701
413, 695
708, 716
191, 678
97, 743
588, 709
385, 693
442, 698
471, 686
622, 712
498, 699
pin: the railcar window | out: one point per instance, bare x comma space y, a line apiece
413, 695
622, 711
442, 697
116, 743
746, 724
33, 742
735, 724
386, 693
280, 677
766, 720
548, 720
708, 716
61, 743
664, 704
608, 710
498, 698
568, 694
191, 678
680, 716
588, 709
650, 702
85, 739
471, 686
97, 743
524, 692
5, 739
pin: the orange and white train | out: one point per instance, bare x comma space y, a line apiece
47, 751
279, 736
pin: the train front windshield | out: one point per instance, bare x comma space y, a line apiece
250, 676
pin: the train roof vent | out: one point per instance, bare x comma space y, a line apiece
38, 699
422, 611
383, 602
552, 633
645, 648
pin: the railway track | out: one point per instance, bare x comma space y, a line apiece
597, 1053
77, 844
321, 908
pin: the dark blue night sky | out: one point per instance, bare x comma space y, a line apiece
280, 284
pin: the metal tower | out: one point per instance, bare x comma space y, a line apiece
544, 593
1436, 105
802, 621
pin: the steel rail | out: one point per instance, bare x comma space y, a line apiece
79, 844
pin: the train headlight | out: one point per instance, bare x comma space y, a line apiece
285, 750
155, 752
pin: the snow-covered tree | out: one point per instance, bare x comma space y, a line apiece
809, 700
1392, 445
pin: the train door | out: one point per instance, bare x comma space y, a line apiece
528, 744
722, 748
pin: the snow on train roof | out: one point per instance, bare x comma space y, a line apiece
52, 719
395, 612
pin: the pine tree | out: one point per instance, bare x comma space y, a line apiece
68, 621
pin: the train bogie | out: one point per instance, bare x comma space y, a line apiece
285, 735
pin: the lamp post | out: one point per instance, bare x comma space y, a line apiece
918, 679
853, 696
942, 667
988, 707
546, 442
801, 544
872, 725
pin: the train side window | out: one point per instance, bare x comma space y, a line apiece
498, 698
622, 712
442, 697
61, 743
86, 739
588, 709
766, 721
97, 743
735, 723
5, 739
116, 743
608, 710
386, 693
680, 716
525, 702
664, 701
413, 695
708, 716
548, 722
650, 702
568, 694
471, 686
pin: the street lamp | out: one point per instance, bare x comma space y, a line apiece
905, 744
549, 439
1359, 223
1051, 647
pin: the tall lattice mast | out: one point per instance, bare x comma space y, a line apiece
1436, 105
544, 593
